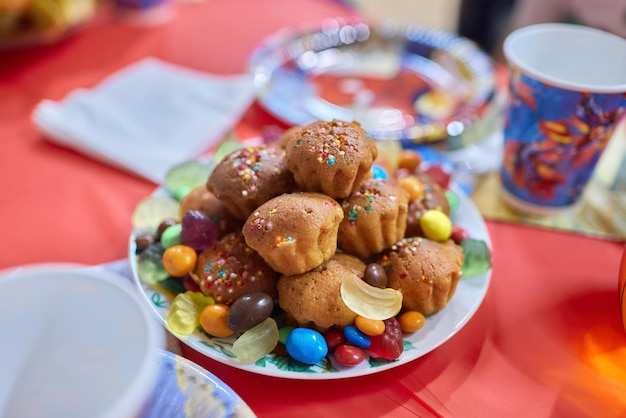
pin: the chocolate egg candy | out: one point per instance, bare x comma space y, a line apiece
249, 310
375, 275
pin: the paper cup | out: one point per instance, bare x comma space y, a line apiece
566, 94
75, 343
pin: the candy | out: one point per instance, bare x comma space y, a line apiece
413, 186
171, 236
213, 320
334, 338
369, 301
150, 264
369, 327
409, 159
197, 230
375, 275
477, 257
179, 260
436, 225
306, 345
249, 310
283, 333
183, 177
355, 337
411, 321
143, 241
256, 342
152, 210
379, 172
388, 345
183, 317
459, 234
163, 225
348, 355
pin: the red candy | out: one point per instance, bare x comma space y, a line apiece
388, 345
334, 338
348, 355
459, 234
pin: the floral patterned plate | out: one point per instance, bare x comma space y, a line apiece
437, 330
186, 390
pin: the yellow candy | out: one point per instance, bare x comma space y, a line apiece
436, 225
413, 186
411, 321
368, 301
183, 317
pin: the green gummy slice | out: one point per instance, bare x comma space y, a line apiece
477, 257
185, 176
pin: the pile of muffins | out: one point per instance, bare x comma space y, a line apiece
296, 217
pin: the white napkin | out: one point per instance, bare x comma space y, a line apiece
147, 117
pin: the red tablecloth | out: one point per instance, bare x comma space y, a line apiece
547, 340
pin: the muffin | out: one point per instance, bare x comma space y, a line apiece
425, 271
250, 176
330, 157
230, 269
313, 299
201, 199
434, 197
295, 232
374, 217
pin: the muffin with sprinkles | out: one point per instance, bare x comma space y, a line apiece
331, 157
295, 232
250, 176
426, 272
300, 295
374, 217
229, 269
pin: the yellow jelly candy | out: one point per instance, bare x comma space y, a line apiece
149, 213
369, 301
436, 225
183, 316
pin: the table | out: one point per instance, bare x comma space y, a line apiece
546, 342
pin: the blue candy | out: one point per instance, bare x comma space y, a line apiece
356, 337
306, 345
379, 173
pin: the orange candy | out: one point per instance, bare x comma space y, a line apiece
409, 159
411, 321
213, 320
413, 186
371, 327
179, 260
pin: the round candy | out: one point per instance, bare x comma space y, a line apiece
413, 186
355, 337
369, 327
213, 320
411, 321
179, 260
378, 172
375, 275
348, 355
459, 234
171, 236
436, 225
306, 345
249, 310
334, 338
409, 159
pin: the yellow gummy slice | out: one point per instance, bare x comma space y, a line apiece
369, 301
151, 211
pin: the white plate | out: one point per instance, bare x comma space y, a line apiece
183, 387
437, 330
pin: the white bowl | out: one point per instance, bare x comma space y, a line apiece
75, 343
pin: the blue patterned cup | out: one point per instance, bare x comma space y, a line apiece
567, 92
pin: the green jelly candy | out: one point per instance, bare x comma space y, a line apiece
477, 257
186, 176
150, 264
171, 236
230, 144
453, 200
283, 333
